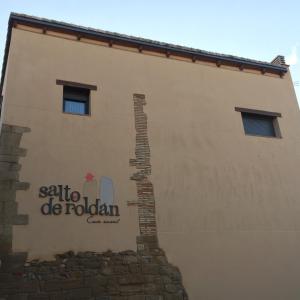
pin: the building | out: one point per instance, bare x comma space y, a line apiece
111, 142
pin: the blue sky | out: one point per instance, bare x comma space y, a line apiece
252, 29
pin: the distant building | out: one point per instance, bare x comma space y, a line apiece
112, 142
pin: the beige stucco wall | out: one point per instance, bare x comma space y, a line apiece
228, 205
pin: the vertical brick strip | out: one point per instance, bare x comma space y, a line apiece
145, 193
10, 152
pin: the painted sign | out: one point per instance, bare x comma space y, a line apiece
62, 200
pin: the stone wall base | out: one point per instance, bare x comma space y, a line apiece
126, 275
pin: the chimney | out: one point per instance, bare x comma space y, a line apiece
279, 60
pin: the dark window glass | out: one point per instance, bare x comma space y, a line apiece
76, 100
255, 124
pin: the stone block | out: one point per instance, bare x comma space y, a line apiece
146, 259
6, 185
18, 297
51, 285
161, 259
177, 296
28, 287
39, 297
14, 129
150, 269
98, 280
154, 297
171, 288
10, 138
9, 158
113, 289
5, 230
10, 208
11, 284
131, 289
7, 195
13, 262
137, 297
151, 278
7, 166
170, 271
1, 212
134, 268
57, 296
12, 150
146, 239
107, 271
82, 293
98, 290
20, 220
10, 218
132, 279
22, 186
150, 288
129, 259
5, 246
71, 284
120, 269
9, 175
103, 298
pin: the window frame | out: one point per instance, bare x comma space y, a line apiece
76, 85
267, 114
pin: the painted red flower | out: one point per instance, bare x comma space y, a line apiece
89, 176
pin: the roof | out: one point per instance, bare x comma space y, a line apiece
140, 43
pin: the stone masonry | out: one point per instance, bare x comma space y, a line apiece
10, 152
94, 276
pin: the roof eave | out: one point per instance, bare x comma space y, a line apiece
69, 28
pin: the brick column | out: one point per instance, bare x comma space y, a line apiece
145, 194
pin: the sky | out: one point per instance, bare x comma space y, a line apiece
258, 29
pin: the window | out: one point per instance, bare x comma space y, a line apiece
76, 100
76, 97
260, 123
